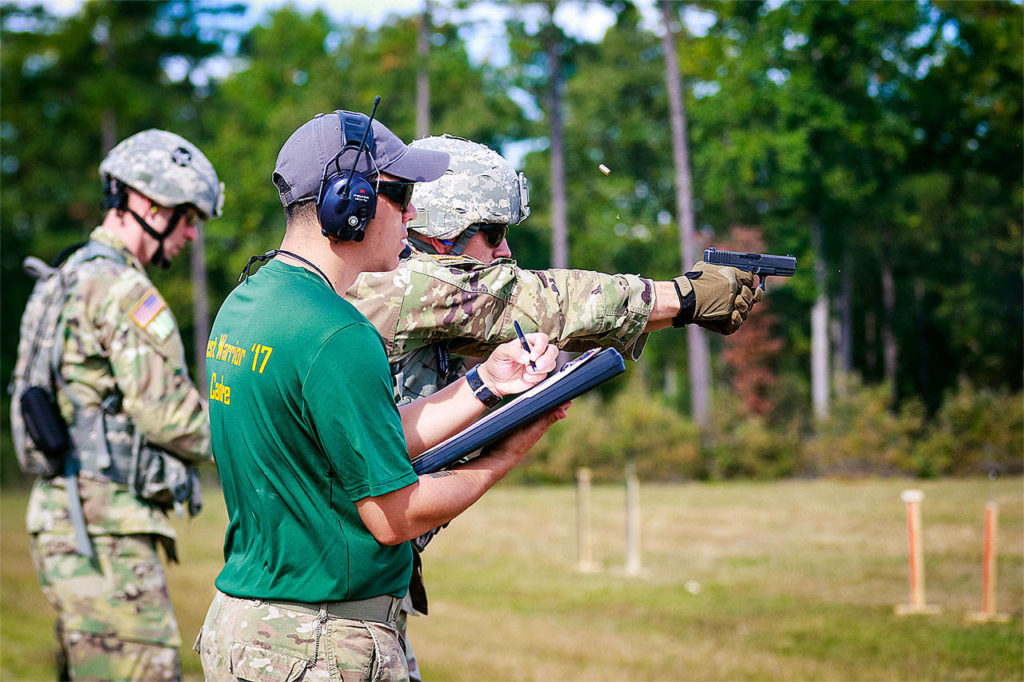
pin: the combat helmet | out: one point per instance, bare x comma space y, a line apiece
479, 188
168, 169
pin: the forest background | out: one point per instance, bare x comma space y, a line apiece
880, 143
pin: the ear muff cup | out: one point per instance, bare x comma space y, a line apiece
348, 203
347, 200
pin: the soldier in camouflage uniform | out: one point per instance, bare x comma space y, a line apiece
460, 290
131, 407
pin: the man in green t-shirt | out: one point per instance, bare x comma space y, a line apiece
312, 451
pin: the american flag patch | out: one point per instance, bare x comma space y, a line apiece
148, 307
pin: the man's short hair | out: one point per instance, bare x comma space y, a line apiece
302, 211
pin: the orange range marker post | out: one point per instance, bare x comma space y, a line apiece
988, 613
917, 605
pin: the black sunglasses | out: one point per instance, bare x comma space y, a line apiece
399, 192
494, 234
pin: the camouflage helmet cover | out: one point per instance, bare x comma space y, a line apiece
480, 186
168, 169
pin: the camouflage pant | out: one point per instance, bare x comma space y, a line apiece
115, 619
253, 640
401, 624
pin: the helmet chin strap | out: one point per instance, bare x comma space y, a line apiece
458, 245
463, 239
159, 258
115, 197
420, 244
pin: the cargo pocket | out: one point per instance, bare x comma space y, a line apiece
388, 663
259, 665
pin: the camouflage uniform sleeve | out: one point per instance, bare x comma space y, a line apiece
472, 305
147, 360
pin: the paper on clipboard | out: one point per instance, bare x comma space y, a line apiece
574, 378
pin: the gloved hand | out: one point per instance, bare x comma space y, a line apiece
722, 297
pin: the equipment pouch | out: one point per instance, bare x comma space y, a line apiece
45, 425
165, 481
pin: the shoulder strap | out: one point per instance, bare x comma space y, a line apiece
92, 250
89, 251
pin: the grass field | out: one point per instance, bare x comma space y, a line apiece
797, 581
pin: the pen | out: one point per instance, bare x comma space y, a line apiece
522, 340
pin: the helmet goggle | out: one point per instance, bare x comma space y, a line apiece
494, 234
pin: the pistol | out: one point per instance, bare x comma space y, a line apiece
760, 264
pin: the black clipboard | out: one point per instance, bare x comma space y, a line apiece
574, 378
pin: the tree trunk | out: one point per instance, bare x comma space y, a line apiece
819, 327
842, 332
835, 332
671, 380
846, 337
870, 344
108, 130
200, 309
423, 72
889, 348
108, 119
559, 218
696, 342
921, 324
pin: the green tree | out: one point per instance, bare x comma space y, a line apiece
961, 202
284, 82
815, 118
73, 87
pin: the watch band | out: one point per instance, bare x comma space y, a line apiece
480, 390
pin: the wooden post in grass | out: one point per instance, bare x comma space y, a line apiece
584, 542
988, 611
632, 520
917, 605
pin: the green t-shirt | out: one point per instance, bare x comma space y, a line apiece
304, 423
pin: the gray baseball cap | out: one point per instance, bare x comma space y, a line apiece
301, 161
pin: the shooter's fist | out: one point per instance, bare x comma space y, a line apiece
723, 296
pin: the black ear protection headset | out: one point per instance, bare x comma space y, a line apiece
347, 200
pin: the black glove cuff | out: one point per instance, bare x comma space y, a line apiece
687, 304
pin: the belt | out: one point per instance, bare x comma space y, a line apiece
383, 609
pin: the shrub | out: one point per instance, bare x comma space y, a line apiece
744, 444
752, 448
604, 435
976, 431
863, 436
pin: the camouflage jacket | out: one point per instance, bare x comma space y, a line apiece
121, 337
432, 305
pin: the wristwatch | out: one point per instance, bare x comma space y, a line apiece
480, 390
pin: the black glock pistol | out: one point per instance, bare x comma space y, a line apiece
760, 264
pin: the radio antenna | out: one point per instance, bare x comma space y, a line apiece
359, 151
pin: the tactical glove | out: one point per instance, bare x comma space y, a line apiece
715, 297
